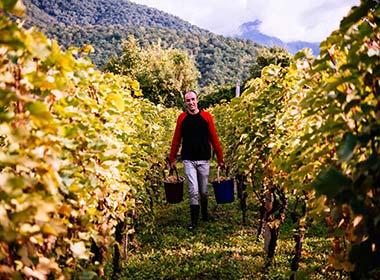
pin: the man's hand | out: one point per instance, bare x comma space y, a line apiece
221, 165
173, 165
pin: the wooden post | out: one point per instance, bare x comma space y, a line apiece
237, 91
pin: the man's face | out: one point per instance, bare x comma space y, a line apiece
191, 102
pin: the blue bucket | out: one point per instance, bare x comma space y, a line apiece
224, 190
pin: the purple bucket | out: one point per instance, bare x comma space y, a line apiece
174, 190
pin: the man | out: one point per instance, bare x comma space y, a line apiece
195, 130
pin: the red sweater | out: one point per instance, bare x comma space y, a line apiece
195, 133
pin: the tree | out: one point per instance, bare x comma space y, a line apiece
128, 64
267, 56
213, 94
164, 74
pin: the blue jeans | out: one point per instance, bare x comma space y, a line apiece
197, 172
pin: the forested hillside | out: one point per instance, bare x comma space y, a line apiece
108, 12
105, 23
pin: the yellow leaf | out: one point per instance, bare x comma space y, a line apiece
128, 150
65, 210
37, 44
91, 211
79, 250
48, 229
4, 220
28, 228
135, 85
87, 49
116, 100
74, 188
54, 227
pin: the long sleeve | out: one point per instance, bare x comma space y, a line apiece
214, 139
176, 141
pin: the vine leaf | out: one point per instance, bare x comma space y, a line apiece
330, 182
15, 7
347, 148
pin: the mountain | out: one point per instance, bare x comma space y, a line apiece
108, 12
105, 23
250, 31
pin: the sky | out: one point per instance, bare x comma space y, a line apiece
289, 20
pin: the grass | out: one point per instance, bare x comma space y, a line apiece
222, 248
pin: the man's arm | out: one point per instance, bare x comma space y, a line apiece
176, 141
214, 139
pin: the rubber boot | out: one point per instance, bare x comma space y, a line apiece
204, 203
194, 214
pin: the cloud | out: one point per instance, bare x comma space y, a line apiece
303, 20
308, 20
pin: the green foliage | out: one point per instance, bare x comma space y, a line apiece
75, 149
268, 56
105, 13
220, 60
213, 95
129, 63
14, 7
342, 113
313, 127
164, 75
246, 125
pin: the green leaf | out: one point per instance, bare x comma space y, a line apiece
8, 5
356, 14
299, 54
15, 7
37, 44
88, 275
10, 36
23, 216
39, 110
346, 150
365, 29
330, 182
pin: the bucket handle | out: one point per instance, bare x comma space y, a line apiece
218, 173
176, 172
171, 169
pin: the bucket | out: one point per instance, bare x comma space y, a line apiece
223, 189
174, 187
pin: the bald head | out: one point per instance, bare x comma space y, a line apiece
191, 102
